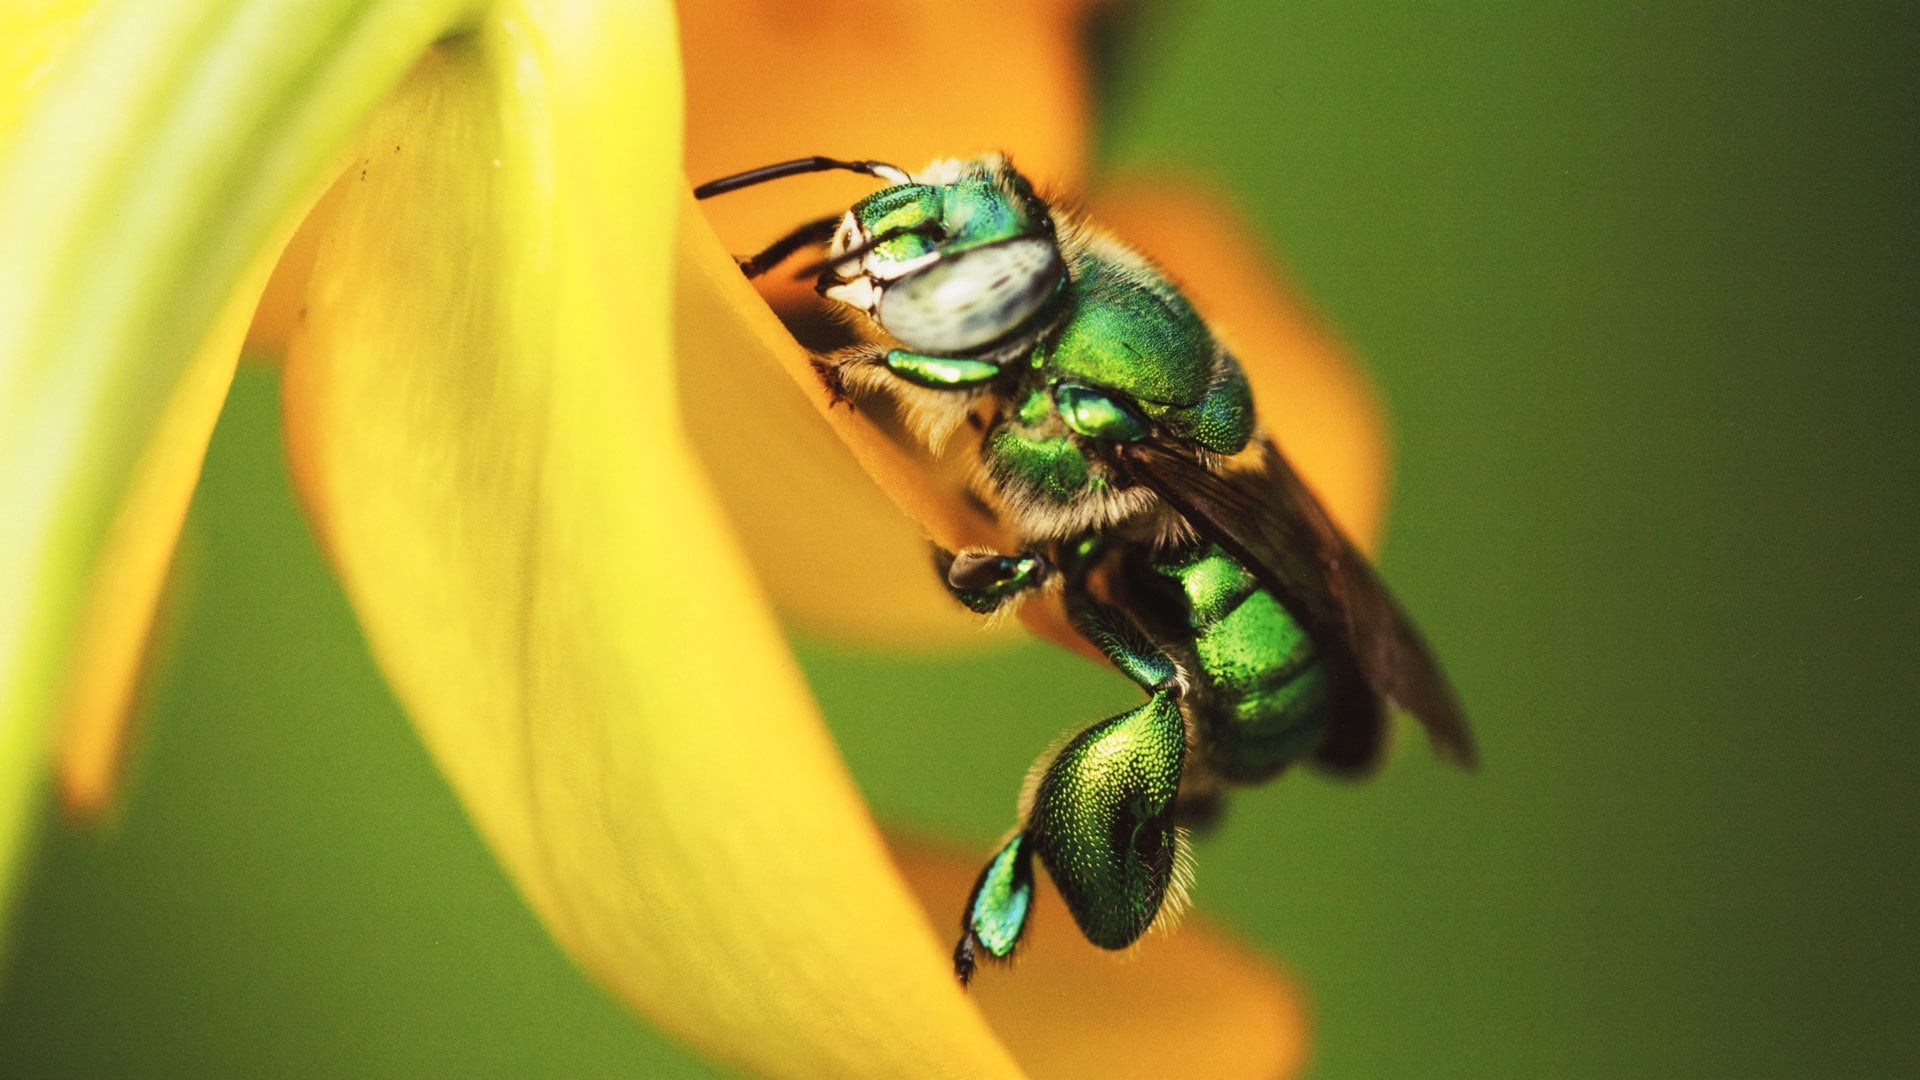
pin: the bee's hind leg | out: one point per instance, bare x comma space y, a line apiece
1100, 817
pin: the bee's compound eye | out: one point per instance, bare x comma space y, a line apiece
973, 297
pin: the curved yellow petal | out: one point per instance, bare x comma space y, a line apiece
1307, 389
118, 612
481, 417
1187, 1004
204, 122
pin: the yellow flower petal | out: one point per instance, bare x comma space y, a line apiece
132, 569
480, 412
34, 35
125, 248
1187, 1004
1306, 388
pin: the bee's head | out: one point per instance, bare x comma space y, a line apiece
951, 261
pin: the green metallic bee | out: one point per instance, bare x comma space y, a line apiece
1117, 443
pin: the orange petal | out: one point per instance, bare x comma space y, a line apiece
1307, 390
904, 81
1192, 1003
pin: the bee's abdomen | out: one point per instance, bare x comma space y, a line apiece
1267, 695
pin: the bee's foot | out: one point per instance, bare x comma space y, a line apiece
831, 378
963, 960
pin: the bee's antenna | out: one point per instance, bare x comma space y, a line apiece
890, 173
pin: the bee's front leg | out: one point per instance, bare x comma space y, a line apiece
1100, 817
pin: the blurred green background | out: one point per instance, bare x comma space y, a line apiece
1637, 283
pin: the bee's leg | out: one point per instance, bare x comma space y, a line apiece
812, 234
1100, 816
878, 367
985, 581
997, 909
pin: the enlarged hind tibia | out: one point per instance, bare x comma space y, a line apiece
1102, 820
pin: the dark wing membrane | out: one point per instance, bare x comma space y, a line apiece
1270, 521
1355, 744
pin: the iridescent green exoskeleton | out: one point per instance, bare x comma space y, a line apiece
1116, 441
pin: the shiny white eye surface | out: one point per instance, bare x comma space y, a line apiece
972, 298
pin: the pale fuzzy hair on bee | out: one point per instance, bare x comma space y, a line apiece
1040, 518
1081, 240
996, 166
1179, 899
934, 416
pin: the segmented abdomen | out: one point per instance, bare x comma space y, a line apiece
1267, 696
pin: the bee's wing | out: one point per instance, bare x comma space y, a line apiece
1268, 519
